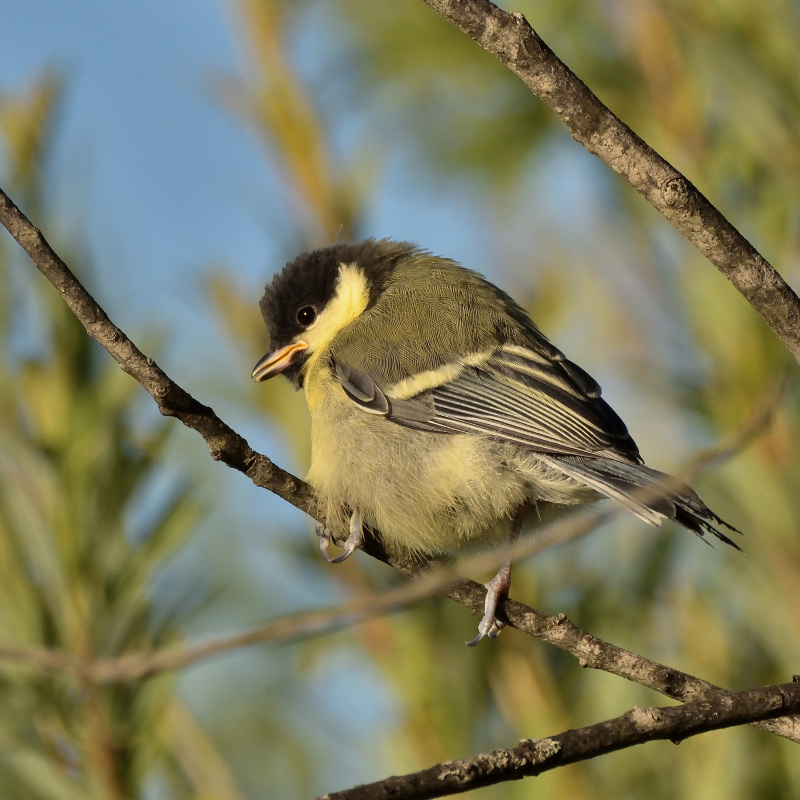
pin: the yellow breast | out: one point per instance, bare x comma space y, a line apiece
426, 492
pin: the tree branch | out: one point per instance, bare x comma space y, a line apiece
228, 446
533, 757
510, 38
224, 444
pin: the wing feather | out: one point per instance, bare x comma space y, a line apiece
533, 398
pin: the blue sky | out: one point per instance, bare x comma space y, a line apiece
166, 184
156, 163
170, 183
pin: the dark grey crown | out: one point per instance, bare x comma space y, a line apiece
310, 279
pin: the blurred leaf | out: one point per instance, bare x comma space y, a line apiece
80, 541
715, 89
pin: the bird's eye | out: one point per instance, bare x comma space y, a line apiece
306, 316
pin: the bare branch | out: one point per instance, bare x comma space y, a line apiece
428, 580
510, 38
228, 446
533, 757
557, 631
223, 442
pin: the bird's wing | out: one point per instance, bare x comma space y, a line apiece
533, 398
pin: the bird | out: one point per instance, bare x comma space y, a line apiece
441, 416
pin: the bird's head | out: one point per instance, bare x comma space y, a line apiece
316, 296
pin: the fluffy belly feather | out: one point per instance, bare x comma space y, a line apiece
432, 493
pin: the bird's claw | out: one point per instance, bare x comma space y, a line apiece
496, 589
488, 626
354, 541
325, 540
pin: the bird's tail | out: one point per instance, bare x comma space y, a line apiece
653, 496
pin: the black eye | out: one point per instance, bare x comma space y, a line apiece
306, 315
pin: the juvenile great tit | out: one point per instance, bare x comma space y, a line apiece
440, 415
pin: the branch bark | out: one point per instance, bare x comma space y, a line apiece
706, 707
224, 444
232, 449
509, 37
531, 757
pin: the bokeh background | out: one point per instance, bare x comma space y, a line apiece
176, 154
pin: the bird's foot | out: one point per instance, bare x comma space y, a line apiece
496, 590
354, 541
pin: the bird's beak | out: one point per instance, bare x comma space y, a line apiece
277, 361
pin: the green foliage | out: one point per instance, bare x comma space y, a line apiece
714, 87
87, 521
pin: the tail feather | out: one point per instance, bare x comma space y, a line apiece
653, 496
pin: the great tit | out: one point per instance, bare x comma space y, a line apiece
440, 415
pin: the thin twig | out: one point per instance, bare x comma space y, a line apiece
558, 631
509, 37
224, 444
533, 757
228, 446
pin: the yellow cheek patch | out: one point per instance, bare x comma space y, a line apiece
348, 303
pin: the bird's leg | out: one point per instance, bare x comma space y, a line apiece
497, 590
354, 539
325, 539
